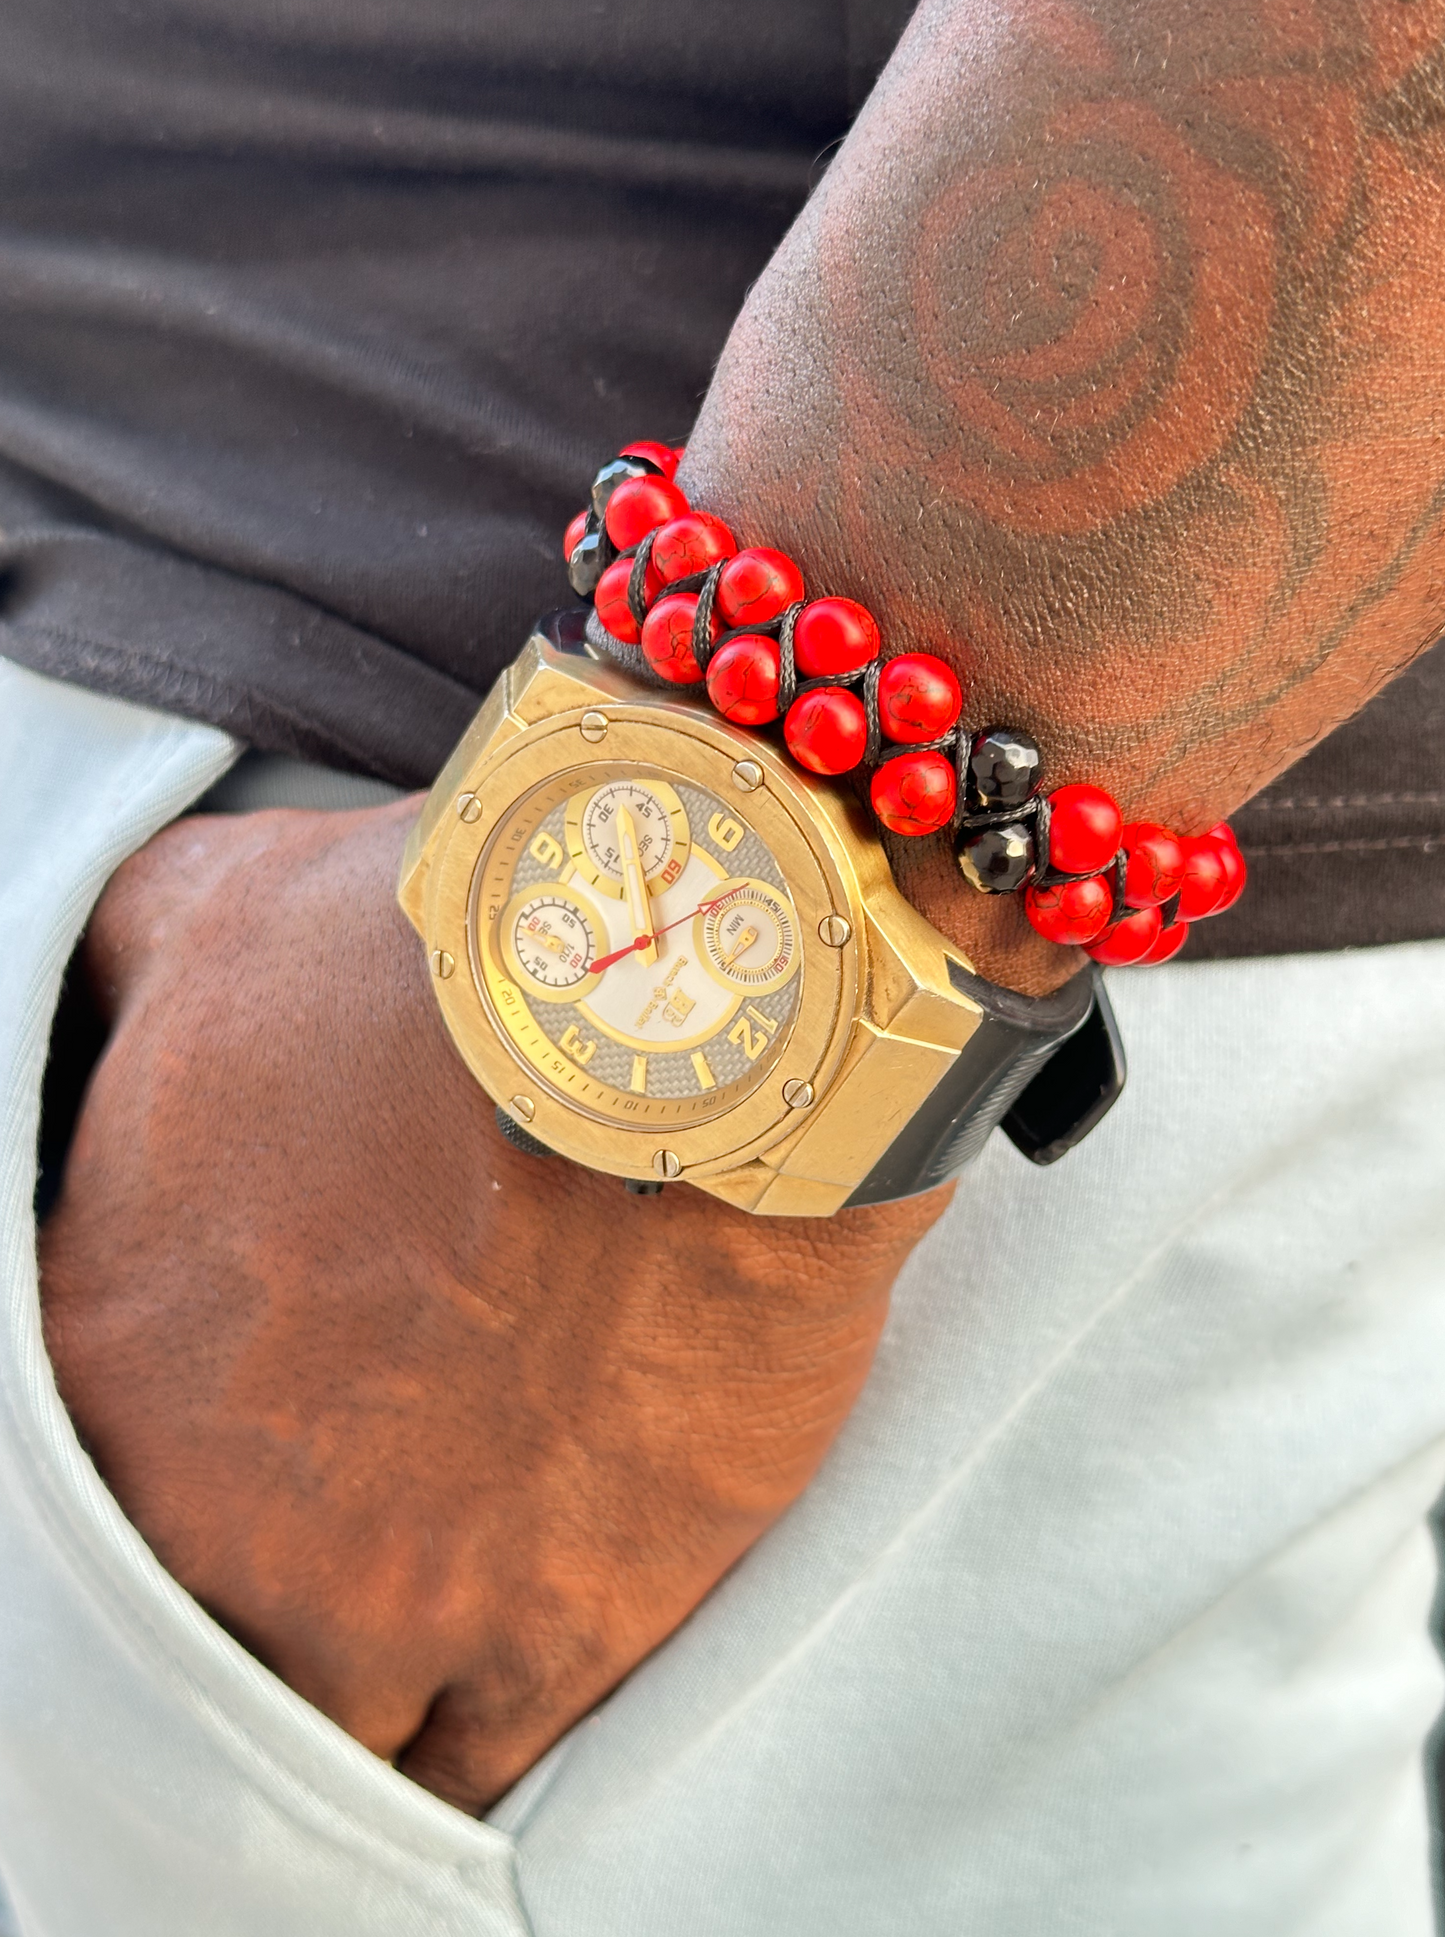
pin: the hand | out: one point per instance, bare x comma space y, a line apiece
635, 882
640, 941
740, 947
449, 1436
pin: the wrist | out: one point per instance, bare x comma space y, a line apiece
990, 929
668, 580
1092, 872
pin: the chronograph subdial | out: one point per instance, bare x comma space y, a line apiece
747, 937
659, 825
550, 937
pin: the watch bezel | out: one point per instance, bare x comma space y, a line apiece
675, 742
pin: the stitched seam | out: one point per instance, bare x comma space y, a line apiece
1426, 843
1344, 800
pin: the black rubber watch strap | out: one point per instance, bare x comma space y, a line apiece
1019, 1051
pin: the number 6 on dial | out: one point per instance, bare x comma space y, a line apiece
725, 831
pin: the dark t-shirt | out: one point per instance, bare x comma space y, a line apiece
316, 318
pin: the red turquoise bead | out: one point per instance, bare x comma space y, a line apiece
1236, 874
827, 730
757, 585
662, 455
834, 636
1170, 941
1129, 940
695, 542
742, 680
1084, 830
1214, 877
610, 599
914, 794
667, 639
918, 697
1155, 864
1221, 831
1070, 912
640, 505
1203, 881
572, 538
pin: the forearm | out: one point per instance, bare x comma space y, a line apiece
1109, 362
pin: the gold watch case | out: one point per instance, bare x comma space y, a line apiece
875, 1020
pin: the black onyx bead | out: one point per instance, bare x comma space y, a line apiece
593, 555
1003, 768
997, 859
613, 474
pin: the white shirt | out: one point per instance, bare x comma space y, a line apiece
1107, 1614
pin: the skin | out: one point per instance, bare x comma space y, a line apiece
1108, 363
447, 1435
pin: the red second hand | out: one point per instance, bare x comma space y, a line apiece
641, 941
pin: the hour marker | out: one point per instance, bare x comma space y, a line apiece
705, 1078
639, 1075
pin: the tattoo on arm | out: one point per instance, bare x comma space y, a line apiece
1109, 360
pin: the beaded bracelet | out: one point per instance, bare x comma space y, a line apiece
672, 582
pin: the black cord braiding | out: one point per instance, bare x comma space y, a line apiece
943, 744
1118, 885
962, 747
874, 745
702, 644
637, 580
1043, 815
787, 663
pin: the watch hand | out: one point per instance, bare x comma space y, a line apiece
638, 941
643, 940
745, 940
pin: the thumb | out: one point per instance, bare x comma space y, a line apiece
206, 869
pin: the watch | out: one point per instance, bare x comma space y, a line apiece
666, 952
